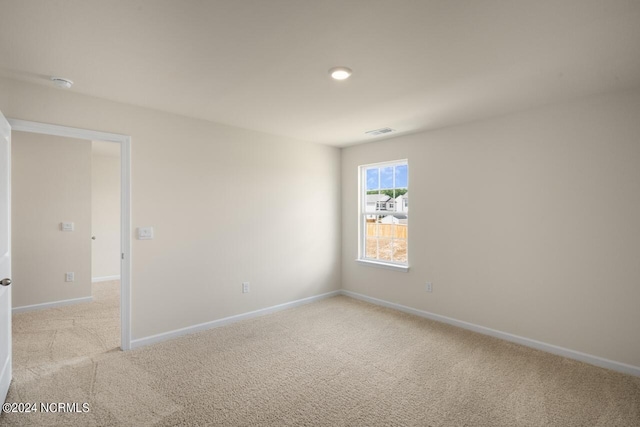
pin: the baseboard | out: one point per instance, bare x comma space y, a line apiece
538, 345
53, 304
140, 342
104, 279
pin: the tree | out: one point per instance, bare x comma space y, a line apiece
390, 193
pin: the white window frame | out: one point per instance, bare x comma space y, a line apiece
362, 217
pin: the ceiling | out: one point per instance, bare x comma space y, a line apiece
262, 65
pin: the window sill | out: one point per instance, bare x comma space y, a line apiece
396, 267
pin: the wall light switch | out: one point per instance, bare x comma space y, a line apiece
66, 226
145, 233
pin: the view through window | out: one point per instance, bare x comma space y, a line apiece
384, 212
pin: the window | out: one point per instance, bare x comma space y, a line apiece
384, 213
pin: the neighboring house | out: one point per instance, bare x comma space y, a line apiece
379, 202
402, 203
382, 202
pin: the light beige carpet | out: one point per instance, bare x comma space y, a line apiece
45, 340
337, 362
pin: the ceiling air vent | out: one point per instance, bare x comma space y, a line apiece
380, 131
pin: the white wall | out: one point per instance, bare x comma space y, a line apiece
183, 172
105, 212
525, 223
528, 224
51, 183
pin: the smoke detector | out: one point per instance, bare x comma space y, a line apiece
380, 131
62, 83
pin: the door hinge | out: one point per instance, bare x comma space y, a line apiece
122, 255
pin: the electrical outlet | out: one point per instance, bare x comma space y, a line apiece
69, 277
428, 287
245, 287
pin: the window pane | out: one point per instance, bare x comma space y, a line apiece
372, 229
371, 250
384, 229
386, 177
402, 176
399, 231
400, 250
373, 179
385, 250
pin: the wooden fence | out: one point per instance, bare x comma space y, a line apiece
397, 231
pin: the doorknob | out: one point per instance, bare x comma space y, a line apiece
5, 282
93, 237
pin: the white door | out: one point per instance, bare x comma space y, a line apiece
5, 257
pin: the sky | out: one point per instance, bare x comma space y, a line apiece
382, 178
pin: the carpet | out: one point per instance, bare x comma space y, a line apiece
335, 362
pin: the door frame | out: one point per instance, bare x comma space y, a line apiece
6, 366
125, 205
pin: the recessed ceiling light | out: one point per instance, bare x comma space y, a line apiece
61, 83
340, 73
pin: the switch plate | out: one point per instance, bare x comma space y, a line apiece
429, 287
67, 226
69, 277
245, 287
145, 233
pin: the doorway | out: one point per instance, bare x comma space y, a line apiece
122, 144
105, 212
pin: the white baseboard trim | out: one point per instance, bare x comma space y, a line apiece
538, 345
53, 304
140, 342
104, 278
